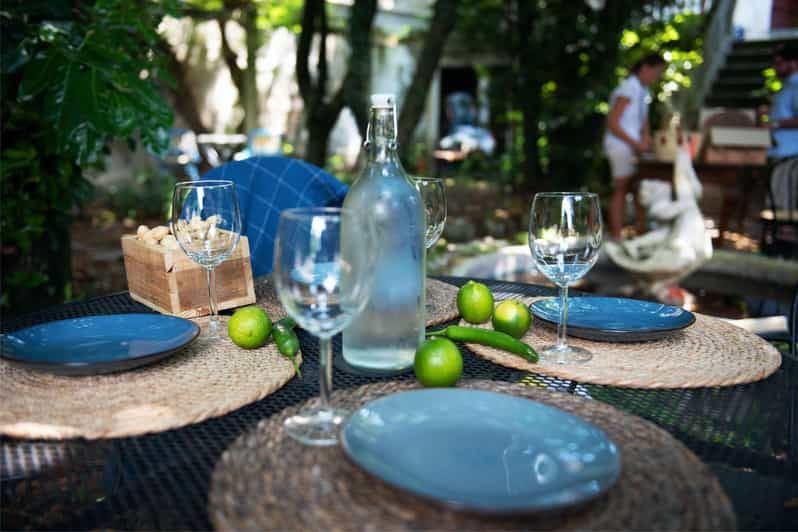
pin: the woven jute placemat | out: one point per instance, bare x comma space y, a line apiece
710, 352
208, 378
441, 298
267, 481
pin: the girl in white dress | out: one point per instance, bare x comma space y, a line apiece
627, 133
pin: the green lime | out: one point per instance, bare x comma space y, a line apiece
249, 327
475, 302
438, 363
512, 317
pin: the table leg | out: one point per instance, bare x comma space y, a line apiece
727, 203
639, 211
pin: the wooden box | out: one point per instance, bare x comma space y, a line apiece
168, 281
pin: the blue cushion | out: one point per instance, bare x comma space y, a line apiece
268, 185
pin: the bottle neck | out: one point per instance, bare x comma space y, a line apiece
381, 135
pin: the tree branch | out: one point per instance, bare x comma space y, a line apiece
230, 57
355, 87
321, 80
183, 99
304, 81
442, 24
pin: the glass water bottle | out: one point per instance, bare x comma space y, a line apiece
390, 329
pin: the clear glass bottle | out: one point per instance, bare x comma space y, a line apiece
390, 329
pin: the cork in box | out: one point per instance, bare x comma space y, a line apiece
168, 281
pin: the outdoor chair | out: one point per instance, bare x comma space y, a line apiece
268, 185
780, 218
183, 156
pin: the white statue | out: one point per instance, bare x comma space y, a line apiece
680, 244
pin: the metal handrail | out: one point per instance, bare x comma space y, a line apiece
717, 44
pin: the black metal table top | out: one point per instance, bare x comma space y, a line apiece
747, 434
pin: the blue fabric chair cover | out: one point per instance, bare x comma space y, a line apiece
268, 185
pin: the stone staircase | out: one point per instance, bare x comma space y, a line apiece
740, 83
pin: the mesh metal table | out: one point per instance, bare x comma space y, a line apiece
747, 434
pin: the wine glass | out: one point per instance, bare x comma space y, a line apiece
565, 238
207, 224
323, 291
433, 193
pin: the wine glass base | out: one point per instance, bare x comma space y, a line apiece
316, 426
213, 330
553, 354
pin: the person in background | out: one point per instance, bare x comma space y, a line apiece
783, 120
627, 133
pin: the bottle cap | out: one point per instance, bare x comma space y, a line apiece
383, 100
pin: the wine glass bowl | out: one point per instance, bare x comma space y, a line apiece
565, 236
433, 193
323, 292
206, 223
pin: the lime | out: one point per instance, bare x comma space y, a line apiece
512, 317
438, 363
475, 302
249, 327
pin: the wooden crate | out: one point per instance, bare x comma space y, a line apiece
168, 281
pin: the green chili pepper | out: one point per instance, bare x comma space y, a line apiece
499, 340
286, 340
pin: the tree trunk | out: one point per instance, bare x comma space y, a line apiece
443, 21
527, 95
244, 79
249, 88
358, 77
182, 97
321, 113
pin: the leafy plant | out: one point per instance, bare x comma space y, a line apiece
75, 75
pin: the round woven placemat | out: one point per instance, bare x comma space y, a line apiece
267, 481
208, 378
710, 352
441, 298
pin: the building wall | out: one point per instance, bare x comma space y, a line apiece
784, 15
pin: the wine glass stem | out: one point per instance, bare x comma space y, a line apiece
561, 328
325, 371
214, 318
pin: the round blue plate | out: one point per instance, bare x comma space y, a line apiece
98, 344
481, 451
614, 319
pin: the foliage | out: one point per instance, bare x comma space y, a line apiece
270, 14
680, 39
257, 18
148, 196
74, 77
562, 59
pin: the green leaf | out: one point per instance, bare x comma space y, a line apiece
74, 111
13, 59
39, 73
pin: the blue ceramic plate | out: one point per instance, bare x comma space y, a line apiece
98, 344
481, 451
614, 319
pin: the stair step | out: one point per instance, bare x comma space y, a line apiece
735, 102
739, 72
749, 60
752, 55
769, 44
739, 82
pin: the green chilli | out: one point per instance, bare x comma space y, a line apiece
499, 340
286, 340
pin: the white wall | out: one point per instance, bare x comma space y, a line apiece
753, 16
